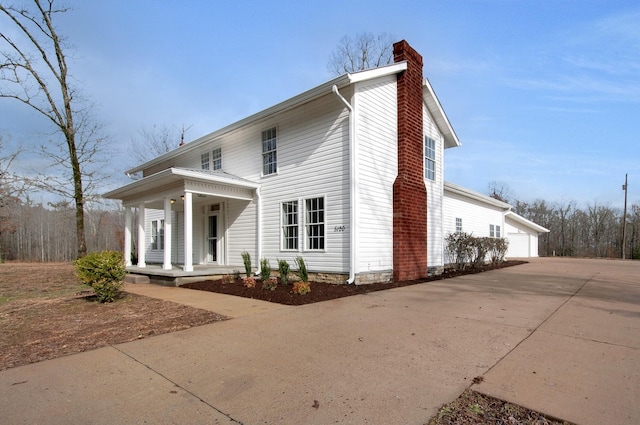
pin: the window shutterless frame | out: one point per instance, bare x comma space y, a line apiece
269, 151
314, 224
290, 230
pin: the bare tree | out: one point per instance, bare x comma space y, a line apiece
365, 51
153, 143
35, 72
500, 191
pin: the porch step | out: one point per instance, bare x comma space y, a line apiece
136, 278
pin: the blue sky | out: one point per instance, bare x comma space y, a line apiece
544, 95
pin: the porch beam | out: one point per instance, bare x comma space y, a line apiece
188, 232
166, 265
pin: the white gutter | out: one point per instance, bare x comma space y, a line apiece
352, 187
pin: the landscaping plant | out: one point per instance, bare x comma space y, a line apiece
104, 272
246, 259
302, 287
283, 268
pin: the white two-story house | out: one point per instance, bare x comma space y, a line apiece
349, 175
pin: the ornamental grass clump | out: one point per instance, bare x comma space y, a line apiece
104, 272
246, 259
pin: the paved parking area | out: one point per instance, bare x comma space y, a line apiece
557, 335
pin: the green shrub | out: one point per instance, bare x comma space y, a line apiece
246, 259
104, 272
283, 268
302, 269
265, 270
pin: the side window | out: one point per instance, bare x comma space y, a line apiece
157, 235
204, 161
429, 158
497, 231
216, 159
289, 225
314, 223
492, 231
269, 152
458, 224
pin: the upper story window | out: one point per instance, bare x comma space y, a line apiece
204, 161
458, 224
314, 223
216, 159
429, 158
289, 225
269, 152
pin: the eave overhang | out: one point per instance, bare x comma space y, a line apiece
470, 194
437, 112
524, 222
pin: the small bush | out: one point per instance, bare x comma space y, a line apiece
479, 249
459, 249
265, 269
246, 259
270, 284
302, 269
249, 282
104, 272
283, 268
301, 288
498, 250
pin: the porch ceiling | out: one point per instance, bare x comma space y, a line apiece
174, 182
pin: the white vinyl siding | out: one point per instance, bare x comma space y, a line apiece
435, 188
376, 168
477, 216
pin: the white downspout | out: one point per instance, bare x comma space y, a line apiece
352, 187
259, 230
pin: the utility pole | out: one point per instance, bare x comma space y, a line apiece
624, 218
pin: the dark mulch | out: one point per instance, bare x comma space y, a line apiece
321, 291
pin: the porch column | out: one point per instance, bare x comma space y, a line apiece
127, 236
166, 265
188, 232
141, 237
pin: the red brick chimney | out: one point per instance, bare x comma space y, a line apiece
409, 191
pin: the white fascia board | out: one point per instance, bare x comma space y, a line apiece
382, 71
435, 109
527, 223
468, 193
300, 99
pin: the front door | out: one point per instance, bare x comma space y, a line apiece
212, 238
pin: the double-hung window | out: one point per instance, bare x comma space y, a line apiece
216, 159
458, 224
157, 235
314, 223
429, 158
269, 152
290, 225
204, 161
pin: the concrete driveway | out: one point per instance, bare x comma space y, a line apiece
557, 335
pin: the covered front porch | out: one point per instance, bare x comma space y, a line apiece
181, 221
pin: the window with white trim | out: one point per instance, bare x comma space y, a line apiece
216, 159
429, 158
204, 161
269, 152
314, 223
157, 235
289, 225
494, 231
497, 231
458, 224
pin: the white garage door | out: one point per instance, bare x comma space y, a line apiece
518, 245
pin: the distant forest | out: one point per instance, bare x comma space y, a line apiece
35, 232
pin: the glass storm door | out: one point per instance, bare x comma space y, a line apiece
212, 239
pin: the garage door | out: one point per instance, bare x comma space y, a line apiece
518, 245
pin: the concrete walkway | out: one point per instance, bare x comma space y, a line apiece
557, 335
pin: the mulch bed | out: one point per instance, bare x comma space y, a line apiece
321, 291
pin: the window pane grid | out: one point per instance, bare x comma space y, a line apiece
216, 159
429, 158
269, 152
315, 223
204, 160
290, 225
